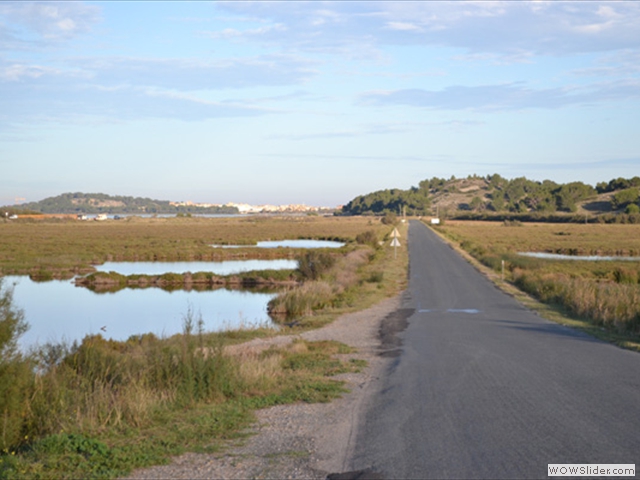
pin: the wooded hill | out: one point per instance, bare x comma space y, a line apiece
495, 196
93, 203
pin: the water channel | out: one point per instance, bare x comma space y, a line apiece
585, 258
302, 243
227, 267
57, 310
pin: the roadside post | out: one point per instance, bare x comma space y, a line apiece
395, 243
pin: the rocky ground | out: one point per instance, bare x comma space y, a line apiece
304, 440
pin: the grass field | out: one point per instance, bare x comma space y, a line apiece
566, 238
103, 407
606, 294
63, 248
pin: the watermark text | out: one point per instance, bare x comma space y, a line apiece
591, 469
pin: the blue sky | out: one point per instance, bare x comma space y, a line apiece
312, 102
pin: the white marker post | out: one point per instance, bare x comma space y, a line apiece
395, 243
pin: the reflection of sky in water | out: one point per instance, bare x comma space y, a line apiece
58, 310
227, 267
300, 244
587, 258
289, 244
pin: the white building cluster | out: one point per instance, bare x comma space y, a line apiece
246, 208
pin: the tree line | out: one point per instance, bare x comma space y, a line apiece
498, 194
92, 203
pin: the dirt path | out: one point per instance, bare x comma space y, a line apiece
299, 440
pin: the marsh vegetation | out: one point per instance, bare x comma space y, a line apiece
98, 408
604, 293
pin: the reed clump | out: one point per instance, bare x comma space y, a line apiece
101, 383
331, 279
604, 303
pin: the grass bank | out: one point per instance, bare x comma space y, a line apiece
599, 297
102, 408
336, 283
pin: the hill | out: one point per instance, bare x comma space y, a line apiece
92, 203
494, 196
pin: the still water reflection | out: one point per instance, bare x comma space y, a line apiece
57, 310
587, 258
289, 244
227, 267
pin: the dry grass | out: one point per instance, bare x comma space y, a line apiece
602, 298
565, 238
103, 407
63, 248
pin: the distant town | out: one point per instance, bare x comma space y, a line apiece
99, 203
246, 208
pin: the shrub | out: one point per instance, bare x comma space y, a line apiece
314, 263
625, 275
632, 209
302, 300
368, 237
390, 219
15, 371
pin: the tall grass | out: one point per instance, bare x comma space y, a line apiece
606, 294
332, 278
612, 305
101, 407
103, 383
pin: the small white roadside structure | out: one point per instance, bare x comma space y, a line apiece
435, 221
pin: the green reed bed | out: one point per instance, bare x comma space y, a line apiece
604, 293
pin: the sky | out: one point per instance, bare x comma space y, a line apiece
312, 102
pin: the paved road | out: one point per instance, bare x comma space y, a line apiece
483, 388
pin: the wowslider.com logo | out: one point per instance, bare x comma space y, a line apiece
591, 469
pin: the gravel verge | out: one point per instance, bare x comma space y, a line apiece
299, 440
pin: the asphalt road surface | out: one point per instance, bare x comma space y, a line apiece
483, 388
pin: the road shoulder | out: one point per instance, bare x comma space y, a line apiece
299, 440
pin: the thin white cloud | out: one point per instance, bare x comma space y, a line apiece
625, 63
43, 22
56, 103
507, 28
187, 74
507, 97
404, 26
378, 129
125, 88
18, 71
